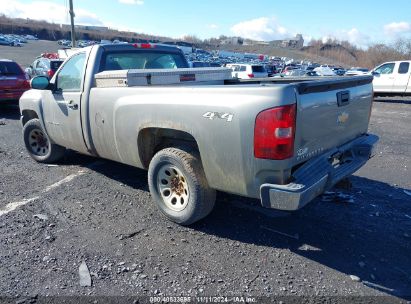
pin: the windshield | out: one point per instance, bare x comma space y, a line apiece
10, 68
142, 60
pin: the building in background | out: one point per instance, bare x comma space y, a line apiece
293, 43
233, 41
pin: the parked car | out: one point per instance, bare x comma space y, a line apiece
288, 68
16, 38
64, 42
6, 41
271, 70
247, 71
284, 143
13, 81
339, 71
300, 73
357, 72
31, 37
12, 40
44, 67
22, 39
393, 77
324, 71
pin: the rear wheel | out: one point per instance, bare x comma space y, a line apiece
39, 145
179, 187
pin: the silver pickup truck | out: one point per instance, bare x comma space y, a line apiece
282, 141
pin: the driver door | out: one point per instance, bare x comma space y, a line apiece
62, 113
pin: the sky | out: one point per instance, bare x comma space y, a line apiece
362, 22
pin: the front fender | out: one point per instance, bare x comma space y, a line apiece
32, 101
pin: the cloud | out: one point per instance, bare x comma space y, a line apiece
396, 28
123, 28
354, 36
212, 26
49, 11
263, 28
132, 2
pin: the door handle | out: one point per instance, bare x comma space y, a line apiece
72, 105
343, 98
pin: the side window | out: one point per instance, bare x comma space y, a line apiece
71, 75
243, 68
404, 68
42, 65
387, 68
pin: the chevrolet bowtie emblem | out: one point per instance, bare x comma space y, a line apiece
343, 118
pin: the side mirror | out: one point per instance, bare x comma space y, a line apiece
39, 83
374, 73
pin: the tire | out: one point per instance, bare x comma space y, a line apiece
179, 186
39, 145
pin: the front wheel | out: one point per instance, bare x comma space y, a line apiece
39, 145
179, 187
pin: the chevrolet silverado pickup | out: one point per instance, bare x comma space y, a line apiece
284, 141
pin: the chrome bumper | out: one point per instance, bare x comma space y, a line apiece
318, 175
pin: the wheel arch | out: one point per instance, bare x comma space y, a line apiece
150, 140
27, 115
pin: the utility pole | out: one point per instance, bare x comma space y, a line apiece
73, 34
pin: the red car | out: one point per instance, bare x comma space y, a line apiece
13, 81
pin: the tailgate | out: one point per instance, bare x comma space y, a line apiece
331, 113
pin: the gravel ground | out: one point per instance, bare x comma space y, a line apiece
101, 213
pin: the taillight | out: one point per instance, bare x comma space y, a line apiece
251, 75
146, 46
143, 45
26, 84
274, 133
50, 73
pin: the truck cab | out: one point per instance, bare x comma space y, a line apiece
393, 77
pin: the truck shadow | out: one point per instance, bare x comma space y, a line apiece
393, 99
11, 112
369, 238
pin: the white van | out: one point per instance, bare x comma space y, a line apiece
393, 77
247, 71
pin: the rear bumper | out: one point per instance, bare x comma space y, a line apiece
319, 175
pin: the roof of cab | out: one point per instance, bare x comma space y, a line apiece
141, 46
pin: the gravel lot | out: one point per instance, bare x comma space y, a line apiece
104, 216
101, 212
26, 54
